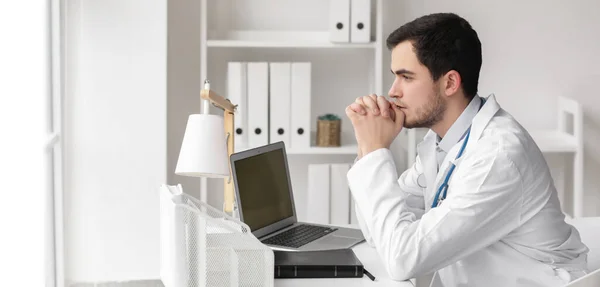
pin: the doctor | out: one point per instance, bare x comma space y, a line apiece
479, 205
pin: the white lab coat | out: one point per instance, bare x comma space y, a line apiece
500, 225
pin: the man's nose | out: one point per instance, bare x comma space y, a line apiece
394, 91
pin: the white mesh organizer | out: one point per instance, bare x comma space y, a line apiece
202, 246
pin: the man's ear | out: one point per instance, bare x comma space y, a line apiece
452, 83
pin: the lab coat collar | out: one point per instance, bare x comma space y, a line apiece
460, 126
482, 119
426, 149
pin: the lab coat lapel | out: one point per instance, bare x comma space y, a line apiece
426, 151
441, 174
481, 120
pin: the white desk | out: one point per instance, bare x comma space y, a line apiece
369, 258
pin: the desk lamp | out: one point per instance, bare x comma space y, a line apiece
208, 144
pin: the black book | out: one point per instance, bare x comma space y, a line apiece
339, 263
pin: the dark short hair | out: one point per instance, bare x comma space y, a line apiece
443, 42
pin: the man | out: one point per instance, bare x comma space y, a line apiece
479, 205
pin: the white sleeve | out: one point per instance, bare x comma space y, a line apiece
412, 191
361, 221
363, 226
483, 202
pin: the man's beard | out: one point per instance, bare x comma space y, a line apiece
428, 115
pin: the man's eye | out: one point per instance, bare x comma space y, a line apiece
405, 77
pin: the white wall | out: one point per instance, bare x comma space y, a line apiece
533, 52
183, 83
115, 138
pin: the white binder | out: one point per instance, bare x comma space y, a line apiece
238, 95
279, 103
340, 194
258, 104
360, 21
300, 105
317, 203
339, 21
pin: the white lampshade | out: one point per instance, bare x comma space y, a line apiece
204, 148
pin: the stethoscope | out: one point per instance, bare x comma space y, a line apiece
440, 195
443, 190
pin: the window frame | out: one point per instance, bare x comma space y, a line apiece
54, 146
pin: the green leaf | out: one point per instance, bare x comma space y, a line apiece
329, 117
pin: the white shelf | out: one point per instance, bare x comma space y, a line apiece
349, 149
285, 44
343, 150
279, 39
554, 141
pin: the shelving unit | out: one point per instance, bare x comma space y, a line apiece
295, 31
567, 138
289, 30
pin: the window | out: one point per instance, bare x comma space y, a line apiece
53, 155
30, 145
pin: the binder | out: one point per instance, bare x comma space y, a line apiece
279, 103
300, 103
340, 194
317, 203
337, 263
339, 21
360, 21
258, 104
238, 95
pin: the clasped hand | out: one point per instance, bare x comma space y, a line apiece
376, 122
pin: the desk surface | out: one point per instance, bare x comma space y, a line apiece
369, 258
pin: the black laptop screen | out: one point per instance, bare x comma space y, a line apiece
263, 188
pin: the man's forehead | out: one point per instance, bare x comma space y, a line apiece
403, 56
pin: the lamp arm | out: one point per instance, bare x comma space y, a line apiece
217, 100
228, 114
229, 163
228, 192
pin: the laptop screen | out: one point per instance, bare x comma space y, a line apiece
264, 191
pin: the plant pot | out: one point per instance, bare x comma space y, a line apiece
328, 133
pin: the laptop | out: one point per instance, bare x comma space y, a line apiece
265, 203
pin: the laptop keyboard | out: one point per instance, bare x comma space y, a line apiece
299, 235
